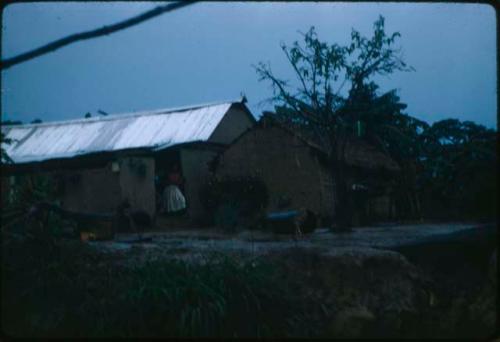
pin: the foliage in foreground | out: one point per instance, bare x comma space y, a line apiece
68, 290
56, 287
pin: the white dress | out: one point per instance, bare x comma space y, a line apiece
173, 199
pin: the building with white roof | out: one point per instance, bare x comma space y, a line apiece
100, 161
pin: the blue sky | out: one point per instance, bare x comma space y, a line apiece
204, 53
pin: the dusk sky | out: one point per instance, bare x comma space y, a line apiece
205, 52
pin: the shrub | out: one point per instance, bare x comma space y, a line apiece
25, 191
240, 197
226, 216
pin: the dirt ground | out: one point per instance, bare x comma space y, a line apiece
183, 242
365, 263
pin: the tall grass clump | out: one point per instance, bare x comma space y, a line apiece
71, 291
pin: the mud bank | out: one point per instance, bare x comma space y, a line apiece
419, 285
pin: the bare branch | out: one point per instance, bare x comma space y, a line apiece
265, 73
294, 65
105, 30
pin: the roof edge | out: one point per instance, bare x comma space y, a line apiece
267, 116
125, 115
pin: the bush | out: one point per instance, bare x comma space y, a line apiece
226, 216
229, 200
19, 213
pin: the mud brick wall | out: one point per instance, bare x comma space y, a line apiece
137, 183
90, 190
100, 190
288, 166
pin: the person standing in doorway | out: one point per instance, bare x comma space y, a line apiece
174, 201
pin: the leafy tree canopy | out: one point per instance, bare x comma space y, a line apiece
322, 71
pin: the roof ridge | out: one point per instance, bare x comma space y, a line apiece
124, 115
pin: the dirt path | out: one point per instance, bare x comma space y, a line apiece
182, 243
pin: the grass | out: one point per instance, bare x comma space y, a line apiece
66, 290
56, 287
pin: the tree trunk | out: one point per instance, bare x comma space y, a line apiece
343, 206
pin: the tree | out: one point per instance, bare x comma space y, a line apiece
317, 103
4, 157
459, 175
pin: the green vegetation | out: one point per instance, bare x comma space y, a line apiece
25, 191
64, 288
69, 290
4, 157
448, 168
457, 171
316, 101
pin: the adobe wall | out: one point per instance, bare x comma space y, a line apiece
286, 164
137, 183
91, 190
235, 122
100, 190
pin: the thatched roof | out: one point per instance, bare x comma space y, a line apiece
361, 154
358, 153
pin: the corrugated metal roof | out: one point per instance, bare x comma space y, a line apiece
151, 129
